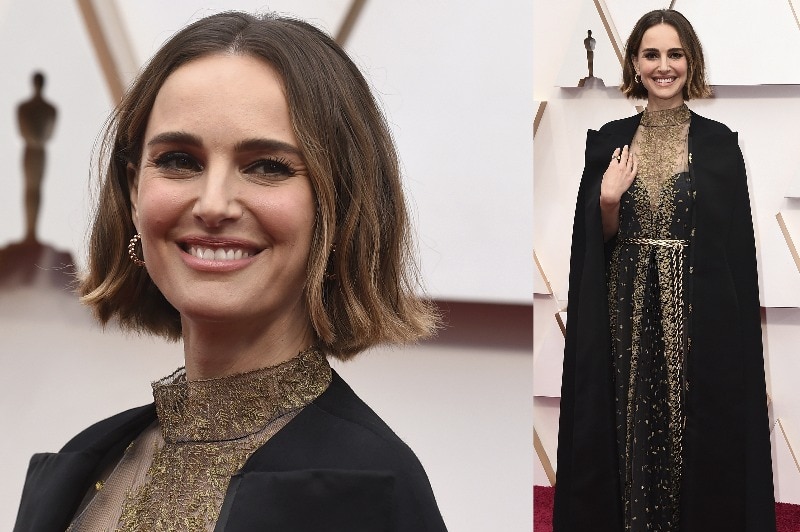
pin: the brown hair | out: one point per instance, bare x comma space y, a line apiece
696, 83
360, 294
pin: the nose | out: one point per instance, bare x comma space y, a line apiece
217, 199
664, 66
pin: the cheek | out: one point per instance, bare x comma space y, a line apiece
288, 217
158, 207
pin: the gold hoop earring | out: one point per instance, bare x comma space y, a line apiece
132, 250
636, 78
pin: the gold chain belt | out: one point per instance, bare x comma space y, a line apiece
663, 242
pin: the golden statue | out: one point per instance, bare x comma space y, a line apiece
36, 119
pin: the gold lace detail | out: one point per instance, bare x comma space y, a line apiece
660, 146
210, 429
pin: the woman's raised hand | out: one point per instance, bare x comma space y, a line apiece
618, 176
616, 180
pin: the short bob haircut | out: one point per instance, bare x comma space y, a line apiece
696, 83
361, 282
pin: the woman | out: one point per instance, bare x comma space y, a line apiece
256, 179
664, 408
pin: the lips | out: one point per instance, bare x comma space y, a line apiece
218, 254
218, 250
664, 81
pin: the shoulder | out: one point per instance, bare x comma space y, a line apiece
113, 429
338, 434
338, 431
354, 433
707, 126
600, 143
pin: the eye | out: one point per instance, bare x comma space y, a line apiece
274, 169
650, 55
676, 55
178, 162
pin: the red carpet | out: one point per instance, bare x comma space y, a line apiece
787, 515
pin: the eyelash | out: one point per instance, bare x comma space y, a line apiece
275, 166
181, 162
170, 160
674, 55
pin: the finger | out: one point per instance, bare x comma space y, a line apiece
615, 156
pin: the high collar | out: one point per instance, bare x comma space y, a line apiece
239, 405
667, 117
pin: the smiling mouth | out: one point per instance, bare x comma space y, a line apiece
664, 81
219, 254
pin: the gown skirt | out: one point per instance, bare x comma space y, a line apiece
647, 270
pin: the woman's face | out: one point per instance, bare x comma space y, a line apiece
222, 197
662, 65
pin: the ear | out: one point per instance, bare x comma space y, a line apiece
636, 64
132, 173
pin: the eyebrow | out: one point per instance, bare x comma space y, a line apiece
657, 50
272, 145
254, 144
177, 137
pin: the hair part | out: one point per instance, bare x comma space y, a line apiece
696, 83
362, 285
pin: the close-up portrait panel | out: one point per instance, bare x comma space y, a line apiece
276, 256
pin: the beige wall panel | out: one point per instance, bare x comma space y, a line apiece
784, 459
747, 42
548, 348
455, 84
545, 420
540, 475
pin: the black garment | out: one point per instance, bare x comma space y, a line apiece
336, 467
647, 302
726, 482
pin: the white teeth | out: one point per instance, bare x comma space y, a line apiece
218, 254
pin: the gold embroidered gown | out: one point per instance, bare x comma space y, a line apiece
174, 476
647, 273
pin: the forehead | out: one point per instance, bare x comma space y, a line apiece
223, 75
219, 93
661, 36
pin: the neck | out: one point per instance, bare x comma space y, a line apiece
658, 105
218, 349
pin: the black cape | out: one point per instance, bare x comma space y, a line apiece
335, 467
727, 478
